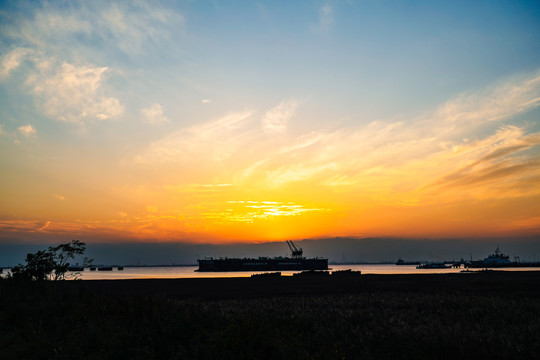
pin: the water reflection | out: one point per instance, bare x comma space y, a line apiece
167, 272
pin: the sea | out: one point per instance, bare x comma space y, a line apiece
173, 272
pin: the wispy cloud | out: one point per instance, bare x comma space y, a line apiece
409, 157
58, 46
491, 159
74, 93
59, 197
214, 141
154, 114
44, 226
128, 27
505, 99
326, 17
11, 61
377, 148
275, 120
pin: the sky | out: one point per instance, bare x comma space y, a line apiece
255, 121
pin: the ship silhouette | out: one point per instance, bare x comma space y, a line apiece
296, 261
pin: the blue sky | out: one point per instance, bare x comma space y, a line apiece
112, 113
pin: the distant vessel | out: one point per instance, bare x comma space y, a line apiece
404, 262
296, 262
433, 266
500, 260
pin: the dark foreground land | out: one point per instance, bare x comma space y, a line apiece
491, 315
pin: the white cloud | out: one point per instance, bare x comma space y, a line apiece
27, 130
74, 93
206, 101
154, 114
276, 119
63, 44
11, 61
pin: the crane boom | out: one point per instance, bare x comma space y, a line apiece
290, 246
296, 253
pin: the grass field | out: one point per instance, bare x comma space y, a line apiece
492, 315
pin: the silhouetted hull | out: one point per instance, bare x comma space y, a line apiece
481, 264
275, 264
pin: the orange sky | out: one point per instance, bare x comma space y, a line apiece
201, 131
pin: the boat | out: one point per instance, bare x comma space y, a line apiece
295, 262
105, 268
433, 266
404, 262
500, 260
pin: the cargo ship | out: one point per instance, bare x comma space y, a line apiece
295, 262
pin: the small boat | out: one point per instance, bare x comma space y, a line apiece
120, 268
105, 268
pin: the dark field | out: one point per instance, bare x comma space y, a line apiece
491, 315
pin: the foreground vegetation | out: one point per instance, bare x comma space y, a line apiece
90, 320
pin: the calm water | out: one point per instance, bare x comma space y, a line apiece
189, 272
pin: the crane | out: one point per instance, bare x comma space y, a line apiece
296, 253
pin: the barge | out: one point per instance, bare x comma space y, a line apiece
295, 262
